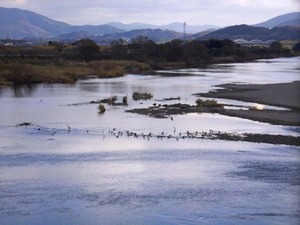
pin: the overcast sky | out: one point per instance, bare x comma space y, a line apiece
159, 12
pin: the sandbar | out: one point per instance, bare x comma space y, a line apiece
285, 95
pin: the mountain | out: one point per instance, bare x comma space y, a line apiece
190, 29
20, 24
76, 35
290, 19
95, 30
16, 23
132, 26
293, 23
178, 27
249, 33
200, 34
156, 35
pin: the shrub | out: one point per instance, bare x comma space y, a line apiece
22, 74
101, 108
125, 100
112, 100
208, 103
141, 96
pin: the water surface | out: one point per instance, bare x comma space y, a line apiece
86, 175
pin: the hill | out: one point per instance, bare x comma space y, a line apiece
156, 35
178, 27
199, 34
190, 29
290, 19
18, 24
249, 33
132, 26
94, 30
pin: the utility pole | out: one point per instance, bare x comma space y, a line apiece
184, 30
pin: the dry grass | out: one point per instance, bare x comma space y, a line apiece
27, 74
41, 71
116, 68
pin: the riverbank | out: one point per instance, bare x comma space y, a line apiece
50, 64
43, 71
285, 95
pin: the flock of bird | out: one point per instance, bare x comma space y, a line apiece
163, 135
212, 135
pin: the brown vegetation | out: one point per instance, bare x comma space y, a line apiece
101, 108
141, 96
60, 63
42, 71
208, 103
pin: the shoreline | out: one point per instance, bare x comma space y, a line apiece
16, 73
285, 95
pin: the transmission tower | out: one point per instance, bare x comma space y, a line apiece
184, 30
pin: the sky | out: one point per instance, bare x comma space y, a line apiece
159, 12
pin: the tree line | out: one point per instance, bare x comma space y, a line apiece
190, 53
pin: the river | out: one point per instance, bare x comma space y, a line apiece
72, 165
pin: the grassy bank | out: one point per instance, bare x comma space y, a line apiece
41, 71
62, 63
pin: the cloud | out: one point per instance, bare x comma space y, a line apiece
218, 12
14, 3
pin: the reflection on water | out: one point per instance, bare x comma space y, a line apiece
52, 175
23, 90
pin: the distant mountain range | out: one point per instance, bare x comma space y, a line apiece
20, 24
178, 27
290, 19
156, 35
249, 33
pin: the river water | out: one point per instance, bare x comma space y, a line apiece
71, 166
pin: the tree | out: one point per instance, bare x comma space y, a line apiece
195, 53
173, 50
276, 45
140, 39
87, 48
58, 45
296, 48
119, 49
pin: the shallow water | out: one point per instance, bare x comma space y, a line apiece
86, 175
